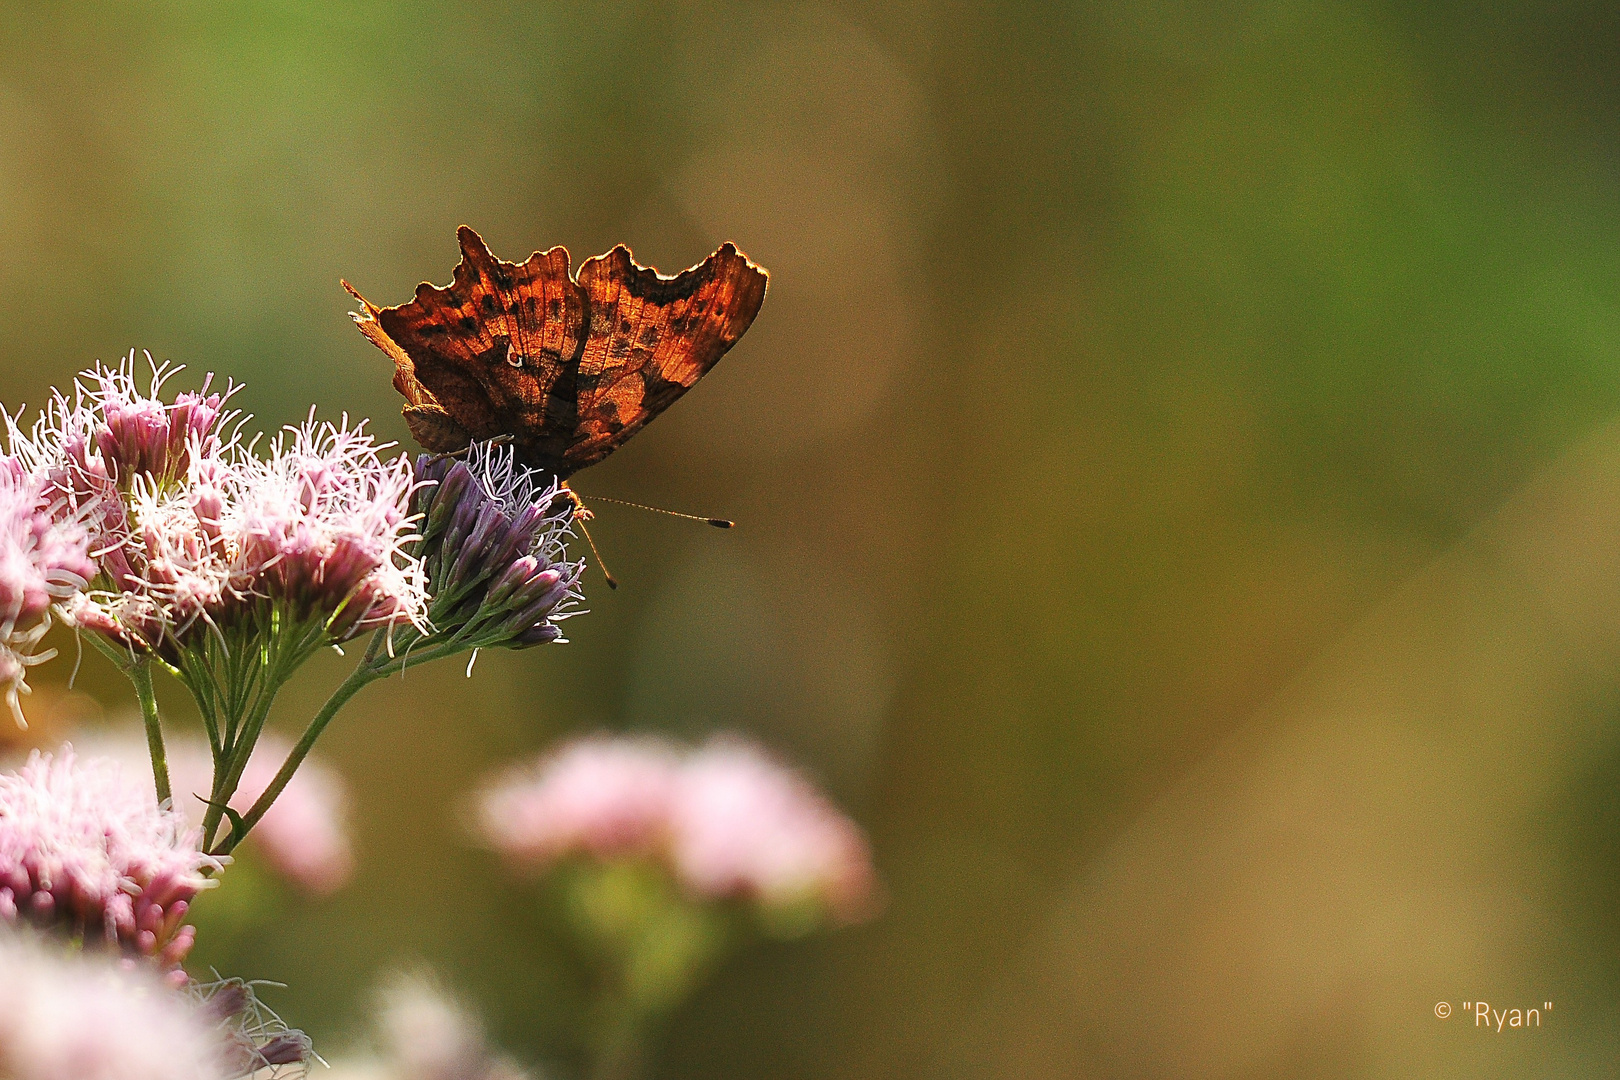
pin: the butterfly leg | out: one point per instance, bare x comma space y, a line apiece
582, 514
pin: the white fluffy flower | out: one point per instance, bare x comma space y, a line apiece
89, 1018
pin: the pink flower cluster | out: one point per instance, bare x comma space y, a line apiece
44, 559
91, 446
194, 532
86, 848
85, 1018
728, 820
321, 525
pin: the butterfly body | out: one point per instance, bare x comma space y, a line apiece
567, 367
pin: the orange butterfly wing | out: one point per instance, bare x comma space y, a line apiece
569, 369
651, 338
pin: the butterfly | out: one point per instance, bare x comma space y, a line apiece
567, 367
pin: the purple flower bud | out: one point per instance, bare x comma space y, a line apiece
227, 1001
540, 634
516, 574
492, 545
257, 1038
443, 499
537, 609
470, 556
285, 1049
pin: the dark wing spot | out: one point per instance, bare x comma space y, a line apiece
657, 389
433, 329
502, 351
650, 335
624, 326
468, 323
553, 307
487, 302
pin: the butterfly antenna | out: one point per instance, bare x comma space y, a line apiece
613, 582
719, 523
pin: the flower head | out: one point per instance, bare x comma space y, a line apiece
86, 1018
320, 527
44, 560
493, 541
747, 826
313, 534
139, 435
727, 820
428, 1035
599, 796
90, 447
86, 848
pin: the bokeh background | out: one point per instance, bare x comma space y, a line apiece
1176, 462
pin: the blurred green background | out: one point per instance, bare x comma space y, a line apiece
1120, 457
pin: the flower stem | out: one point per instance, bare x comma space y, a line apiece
363, 674
140, 673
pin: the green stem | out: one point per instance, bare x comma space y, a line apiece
420, 656
121, 656
235, 762
363, 674
140, 673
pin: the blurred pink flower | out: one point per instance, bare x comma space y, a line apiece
428, 1035
600, 796
305, 832
85, 847
729, 821
745, 826
85, 1018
